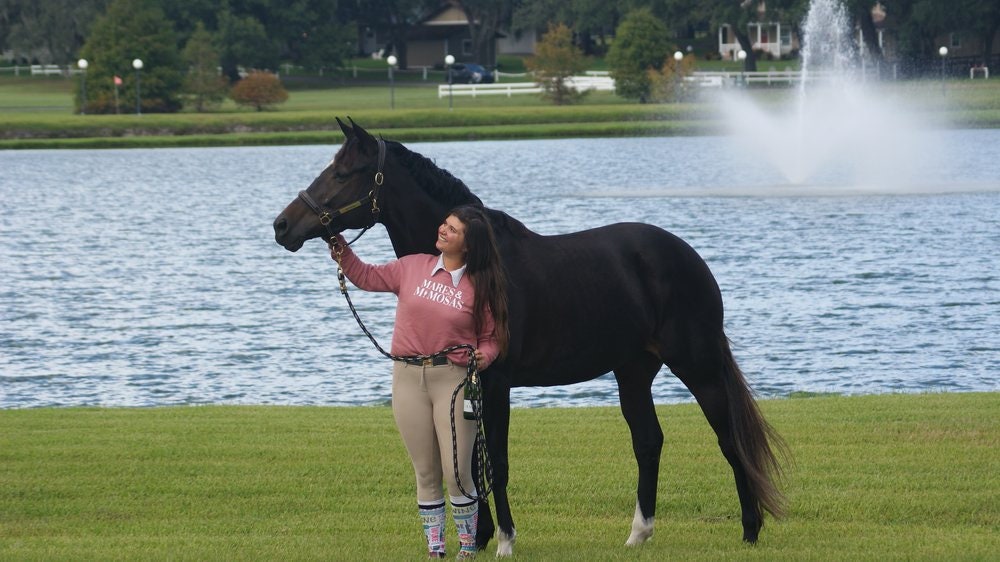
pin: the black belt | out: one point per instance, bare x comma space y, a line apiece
435, 361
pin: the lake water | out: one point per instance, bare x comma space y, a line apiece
151, 277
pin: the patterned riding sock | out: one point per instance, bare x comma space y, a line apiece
432, 514
466, 515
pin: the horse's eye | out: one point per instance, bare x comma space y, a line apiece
340, 177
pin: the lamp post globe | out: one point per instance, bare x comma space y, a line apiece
392, 60
137, 65
82, 64
943, 51
678, 78
448, 61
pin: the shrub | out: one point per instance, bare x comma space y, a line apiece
668, 84
259, 90
204, 87
640, 45
554, 64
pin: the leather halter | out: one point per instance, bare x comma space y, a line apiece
326, 216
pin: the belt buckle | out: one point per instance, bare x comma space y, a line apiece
429, 362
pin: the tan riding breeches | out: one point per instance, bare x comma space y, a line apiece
421, 400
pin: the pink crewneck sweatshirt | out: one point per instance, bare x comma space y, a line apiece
433, 313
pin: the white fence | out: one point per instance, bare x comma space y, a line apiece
580, 83
41, 70
596, 80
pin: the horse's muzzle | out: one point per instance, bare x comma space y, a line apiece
281, 234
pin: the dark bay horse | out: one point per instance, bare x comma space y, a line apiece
623, 298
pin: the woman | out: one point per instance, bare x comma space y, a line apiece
457, 297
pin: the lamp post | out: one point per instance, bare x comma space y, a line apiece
83, 64
742, 56
678, 57
943, 51
392, 83
448, 61
137, 65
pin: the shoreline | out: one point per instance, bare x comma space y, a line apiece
386, 404
307, 119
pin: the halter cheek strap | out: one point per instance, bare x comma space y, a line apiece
326, 216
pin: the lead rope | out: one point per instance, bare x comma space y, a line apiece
483, 478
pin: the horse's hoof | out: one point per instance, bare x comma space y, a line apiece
751, 531
485, 531
635, 539
642, 528
505, 544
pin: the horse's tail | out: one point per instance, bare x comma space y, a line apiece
756, 441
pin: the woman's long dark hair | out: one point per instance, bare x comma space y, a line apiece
485, 267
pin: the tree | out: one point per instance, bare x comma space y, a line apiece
982, 19
556, 60
667, 84
132, 29
49, 31
393, 18
242, 41
918, 23
486, 17
588, 18
640, 44
861, 11
308, 32
203, 84
737, 15
259, 90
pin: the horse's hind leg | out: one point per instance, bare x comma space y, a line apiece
497, 422
634, 391
714, 404
744, 436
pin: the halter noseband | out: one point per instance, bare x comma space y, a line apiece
326, 216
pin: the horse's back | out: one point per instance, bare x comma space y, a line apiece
582, 302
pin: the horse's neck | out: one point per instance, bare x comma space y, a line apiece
411, 219
414, 215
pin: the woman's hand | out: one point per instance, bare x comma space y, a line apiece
337, 245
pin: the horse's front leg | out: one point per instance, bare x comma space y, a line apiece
497, 422
634, 390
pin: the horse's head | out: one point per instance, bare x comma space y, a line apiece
343, 196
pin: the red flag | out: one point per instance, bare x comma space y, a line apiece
118, 80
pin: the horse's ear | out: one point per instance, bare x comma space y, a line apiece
367, 140
343, 127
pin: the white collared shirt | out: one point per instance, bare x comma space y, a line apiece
456, 275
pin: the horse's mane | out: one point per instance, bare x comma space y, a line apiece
446, 188
437, 182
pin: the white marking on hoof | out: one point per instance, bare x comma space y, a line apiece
505, 543
642, 528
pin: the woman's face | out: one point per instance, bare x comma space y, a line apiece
451, 236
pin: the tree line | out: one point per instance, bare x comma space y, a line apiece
178, 38
321, 33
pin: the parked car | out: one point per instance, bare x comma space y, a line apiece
470, 73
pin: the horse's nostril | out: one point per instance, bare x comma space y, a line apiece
280, 226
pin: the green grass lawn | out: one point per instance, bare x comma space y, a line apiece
37, 113
893, 477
